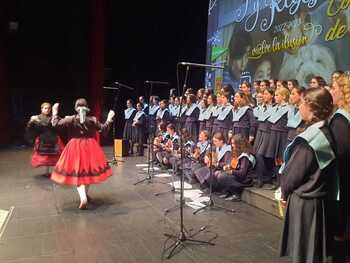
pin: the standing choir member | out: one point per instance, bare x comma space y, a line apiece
82, 161
152, 116
239, 173
278, 130
210, 114
308, 168
191, 117
47, 144
243, 120
129, 115
295, 123
224, 119
182, 116
264, 164
218, 157
203, 107
340, 127
139, 128
145, 106
163, 114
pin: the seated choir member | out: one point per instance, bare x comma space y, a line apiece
158, 142
188, 147
308, 167
215, 160
240, 172
265, 165
340, 195
129, 115
295, 124
152, 115
169, 146
201, 149
47, 144
191, 117
243, 120
278, 129
139, 128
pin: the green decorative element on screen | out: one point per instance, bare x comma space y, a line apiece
217, 52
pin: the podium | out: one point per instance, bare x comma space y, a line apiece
121, 148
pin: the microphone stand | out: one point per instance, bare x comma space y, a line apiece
150, 168
116, 92
181, 239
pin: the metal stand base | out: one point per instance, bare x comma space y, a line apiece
211, 205
181, 240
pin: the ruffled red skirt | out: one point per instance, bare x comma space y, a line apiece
46, 160
82, 162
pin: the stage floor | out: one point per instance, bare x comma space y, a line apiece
125, 223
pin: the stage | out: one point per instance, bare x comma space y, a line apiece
125, 222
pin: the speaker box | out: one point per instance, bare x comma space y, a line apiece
121, 148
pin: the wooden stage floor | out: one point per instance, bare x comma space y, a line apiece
125, 223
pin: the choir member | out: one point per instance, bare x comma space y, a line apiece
129, 115
239, 173
292, 83
152, 116
295, 124
223, 122
278, 130
82, 161
308, 167
142, 100
139, 128
191, 117
243, 121
218, 157
265, 165
340, 127
211, 113
169, 146
203, 107
201, 149
163, 113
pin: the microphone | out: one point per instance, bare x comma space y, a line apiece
157, 82
111, 88
123, 85
200, 65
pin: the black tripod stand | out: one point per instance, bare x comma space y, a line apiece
150, 168
181, 239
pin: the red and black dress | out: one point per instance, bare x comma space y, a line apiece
47, 144
82, 161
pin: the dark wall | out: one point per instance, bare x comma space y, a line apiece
47, 58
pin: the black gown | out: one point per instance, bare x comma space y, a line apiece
340, 127
304, 184
129, 115
191, 121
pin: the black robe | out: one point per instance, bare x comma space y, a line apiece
340, 127
305, 186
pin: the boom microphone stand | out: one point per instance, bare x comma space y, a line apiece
181, 239
116, 91
150, 167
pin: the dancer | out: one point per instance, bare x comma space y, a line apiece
308, 167
82, 161
47, 145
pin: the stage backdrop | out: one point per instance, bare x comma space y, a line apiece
281, 39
